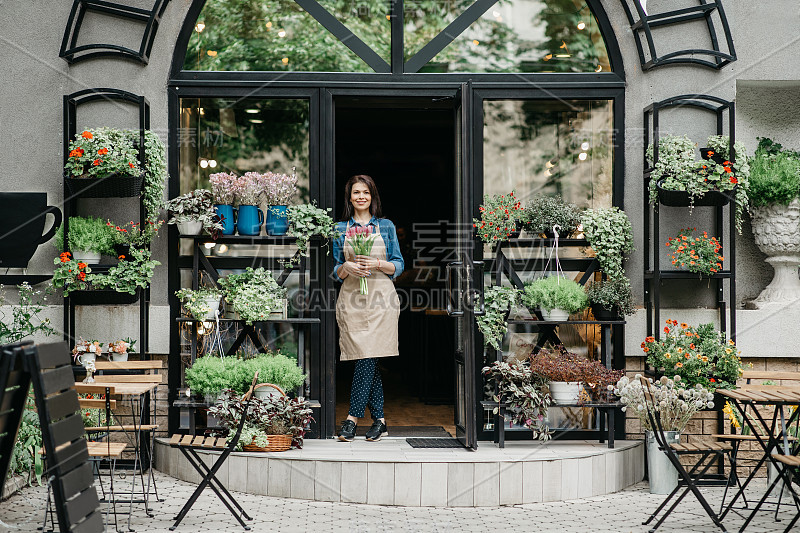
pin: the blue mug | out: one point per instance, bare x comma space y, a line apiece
249, 220
228, 215
277, 220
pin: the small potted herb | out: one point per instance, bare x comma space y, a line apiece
89, 238
557, 297
610, 299
193, 212
201, 304
253, 294
542, 213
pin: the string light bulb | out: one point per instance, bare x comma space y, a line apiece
581, 25
203, 163
281, 33
584, 146
200, 27
582, 156
285, 60
212, 163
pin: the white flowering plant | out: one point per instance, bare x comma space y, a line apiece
674, 403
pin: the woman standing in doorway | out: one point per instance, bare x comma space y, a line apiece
367, 322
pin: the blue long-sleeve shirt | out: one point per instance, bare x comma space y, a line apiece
389, 234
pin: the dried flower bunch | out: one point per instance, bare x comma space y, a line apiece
498, 217
700, 355
223, 187
249, 189
279, 189
697, 254
675, 402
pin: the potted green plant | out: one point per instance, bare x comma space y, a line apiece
700, 355
253, 294
89, 238
542, 213
563, 371
610, 235
201, 304
276, 369
675, 402
696, 254
209, 375
128, 276
193, 212
132, 234
775, 212
610, 299
494, 323
557, 297
498, 217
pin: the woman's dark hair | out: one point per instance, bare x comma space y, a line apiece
374, 206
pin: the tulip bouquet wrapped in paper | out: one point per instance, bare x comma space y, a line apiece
361, 239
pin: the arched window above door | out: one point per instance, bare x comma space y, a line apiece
405, 36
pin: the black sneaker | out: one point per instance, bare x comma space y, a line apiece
377, 431
348, 431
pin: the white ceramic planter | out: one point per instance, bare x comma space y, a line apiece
556, 315
776, 229
118, 357
190, 228
212, 303
83, 256
565, 392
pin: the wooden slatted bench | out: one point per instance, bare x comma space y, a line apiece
111, 450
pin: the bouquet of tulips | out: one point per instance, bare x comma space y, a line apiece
361, 239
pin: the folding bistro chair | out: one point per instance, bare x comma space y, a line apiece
189, 444
789, 471
714, 450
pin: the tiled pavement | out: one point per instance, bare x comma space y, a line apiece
620, 512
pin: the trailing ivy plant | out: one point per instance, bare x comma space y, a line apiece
305, 221
494, 324
610, 235
524, 394
127, 276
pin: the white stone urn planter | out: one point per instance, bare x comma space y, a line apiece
777, 233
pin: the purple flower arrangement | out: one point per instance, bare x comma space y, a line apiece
278, 189
223, 187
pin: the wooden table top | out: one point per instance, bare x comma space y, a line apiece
764, 394
117, 388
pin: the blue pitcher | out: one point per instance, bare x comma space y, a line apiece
249, 220
228, 215
277, 220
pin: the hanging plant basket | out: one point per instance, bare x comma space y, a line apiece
277, 443
111, 186
104, 297
684, 199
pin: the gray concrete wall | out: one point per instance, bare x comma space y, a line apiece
35, 79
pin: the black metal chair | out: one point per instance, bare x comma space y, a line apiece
189, 444
687, 479
789, 471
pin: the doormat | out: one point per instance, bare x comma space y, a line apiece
409, 431
435, 443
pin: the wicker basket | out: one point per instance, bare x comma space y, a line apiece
277, 443
112, 186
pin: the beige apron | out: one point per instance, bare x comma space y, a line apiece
368, 322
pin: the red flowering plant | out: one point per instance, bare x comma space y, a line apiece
699, 355
133, 233
70, 275
101, 152
697, 254
498, 220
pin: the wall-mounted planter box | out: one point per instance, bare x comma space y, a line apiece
112, 186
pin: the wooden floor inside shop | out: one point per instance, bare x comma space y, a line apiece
406, 415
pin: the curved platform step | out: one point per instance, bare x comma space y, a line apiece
390, 472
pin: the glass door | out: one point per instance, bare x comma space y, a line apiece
461, 275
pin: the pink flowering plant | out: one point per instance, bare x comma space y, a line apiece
223, 187
361, 239
278, 189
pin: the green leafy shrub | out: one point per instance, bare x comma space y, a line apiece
554, 292
209, 375
543, 212
87, 234
774, 179
610, 235
25, 457
276, 368
612, 294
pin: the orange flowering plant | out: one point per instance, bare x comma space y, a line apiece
697, 254
498, 220
100, 152
70, 275
700, 355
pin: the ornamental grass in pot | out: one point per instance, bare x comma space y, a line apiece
557, 297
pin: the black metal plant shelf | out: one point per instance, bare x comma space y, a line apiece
243, 239
532, 321
642, 25
685, 274
283, 320
19, 279
149, 17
